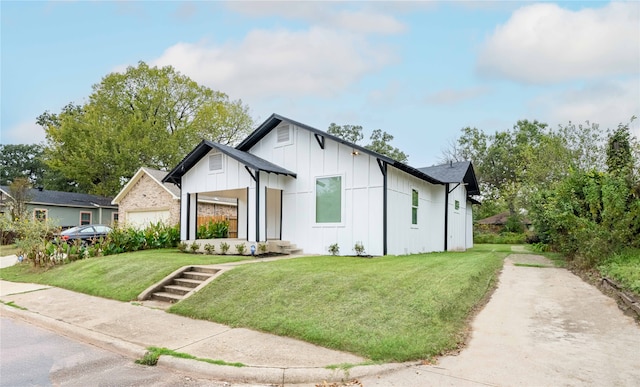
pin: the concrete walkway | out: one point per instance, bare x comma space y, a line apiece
542, 326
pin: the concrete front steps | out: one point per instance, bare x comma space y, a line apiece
283, 247
179, 284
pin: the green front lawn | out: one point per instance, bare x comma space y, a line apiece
120, 277
385, 309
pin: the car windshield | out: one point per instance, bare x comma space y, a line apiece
71, 230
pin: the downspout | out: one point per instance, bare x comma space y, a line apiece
188, 214
247, 205
196, 228
257, 206
281, 199
446, 215
384, 210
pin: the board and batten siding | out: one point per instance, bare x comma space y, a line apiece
403, 236
457, 227
232, 181
362, 193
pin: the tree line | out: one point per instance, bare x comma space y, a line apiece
578, 184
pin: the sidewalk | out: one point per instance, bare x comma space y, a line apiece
129, 328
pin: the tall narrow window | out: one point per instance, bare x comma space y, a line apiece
414, 206
85, 218
215, 162
329, 199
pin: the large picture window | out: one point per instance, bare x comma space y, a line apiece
329, 199
414, 206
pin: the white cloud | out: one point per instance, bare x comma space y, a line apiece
27, 132
281, 62
605, 103
329, 15
543, 43
454, 96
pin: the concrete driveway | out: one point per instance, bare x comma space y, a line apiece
543, 326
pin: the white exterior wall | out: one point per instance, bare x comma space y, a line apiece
235, 179
457, 222
403, 236
362, 186
469, 231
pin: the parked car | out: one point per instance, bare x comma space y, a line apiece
88, 233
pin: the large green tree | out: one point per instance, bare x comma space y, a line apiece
21, 160
379, 140
144, 116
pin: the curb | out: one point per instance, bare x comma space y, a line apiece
247, 374
275, 375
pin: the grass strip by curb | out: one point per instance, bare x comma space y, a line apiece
153, 354
13, 305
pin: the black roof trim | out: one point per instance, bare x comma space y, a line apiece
458, 172
275, 119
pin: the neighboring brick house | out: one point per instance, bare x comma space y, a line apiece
145, 199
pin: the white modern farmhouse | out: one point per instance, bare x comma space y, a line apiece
295, 183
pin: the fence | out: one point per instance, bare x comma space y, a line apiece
233, 222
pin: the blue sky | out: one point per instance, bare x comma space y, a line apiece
419, 70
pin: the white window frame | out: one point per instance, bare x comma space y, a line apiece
289, 141
46, 213
342, 201
221, 169
417, 207
90, 217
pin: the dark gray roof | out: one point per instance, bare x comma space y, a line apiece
59, 198
458, 172
245, 158
275, 119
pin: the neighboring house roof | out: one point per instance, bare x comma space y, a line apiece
458, 172
501, 219
67, 199
245, 158
155, 175
275, 119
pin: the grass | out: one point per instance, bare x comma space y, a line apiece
624, 268
6, 250
153, 354
120, 277
394, 308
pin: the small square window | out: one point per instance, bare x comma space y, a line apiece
40, 214
457, 204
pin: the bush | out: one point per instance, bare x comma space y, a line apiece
334, 249
224, 247
507, 238
213, 229
240, 248
209, 248
359, 248
262, 248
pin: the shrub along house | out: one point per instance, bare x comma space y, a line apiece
295, 183
66, 209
